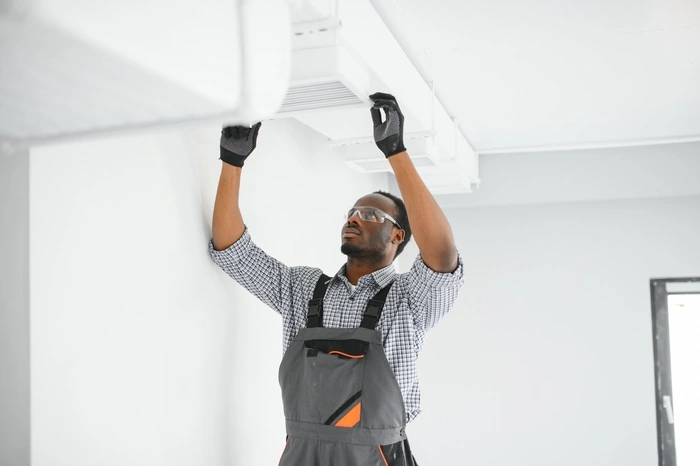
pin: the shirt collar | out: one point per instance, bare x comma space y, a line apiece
381, 277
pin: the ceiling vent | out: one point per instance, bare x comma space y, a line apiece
363, 155
320, 95
325, 72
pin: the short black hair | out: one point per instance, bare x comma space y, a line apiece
401, 219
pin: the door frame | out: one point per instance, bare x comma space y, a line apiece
661, 289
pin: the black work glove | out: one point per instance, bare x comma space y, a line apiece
237, 142
387, 135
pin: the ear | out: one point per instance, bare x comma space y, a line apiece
398, 237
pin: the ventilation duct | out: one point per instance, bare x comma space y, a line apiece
341, 53
72, 68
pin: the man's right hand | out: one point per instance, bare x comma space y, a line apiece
237, 143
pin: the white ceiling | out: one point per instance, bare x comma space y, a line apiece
517, 74
536, 74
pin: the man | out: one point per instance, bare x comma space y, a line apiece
348, 375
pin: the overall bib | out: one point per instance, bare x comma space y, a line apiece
342, 404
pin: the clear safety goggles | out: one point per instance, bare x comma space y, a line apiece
370, 214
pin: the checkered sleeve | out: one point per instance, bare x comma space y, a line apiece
268, 279
432, 294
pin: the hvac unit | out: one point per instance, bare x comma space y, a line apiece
341, 53
325, 71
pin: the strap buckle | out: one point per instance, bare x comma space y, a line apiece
314, 307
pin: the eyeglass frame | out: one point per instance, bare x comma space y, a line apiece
383, 215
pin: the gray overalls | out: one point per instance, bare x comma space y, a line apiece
342, 404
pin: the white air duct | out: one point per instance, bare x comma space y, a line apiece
75, 68
341, 52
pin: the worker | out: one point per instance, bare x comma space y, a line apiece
348, 374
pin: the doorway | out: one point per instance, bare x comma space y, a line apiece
675, 304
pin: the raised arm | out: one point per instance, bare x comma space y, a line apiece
237, 143
429, 225
231, 247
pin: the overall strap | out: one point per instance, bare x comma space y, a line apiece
374, 308
315, 315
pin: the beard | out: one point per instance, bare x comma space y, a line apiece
374, 251
357, 251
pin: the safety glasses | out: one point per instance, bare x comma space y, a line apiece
370, 214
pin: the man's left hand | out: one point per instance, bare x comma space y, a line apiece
388, 135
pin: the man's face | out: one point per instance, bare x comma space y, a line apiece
366, 239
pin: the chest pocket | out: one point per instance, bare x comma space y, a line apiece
331, 383
332, 372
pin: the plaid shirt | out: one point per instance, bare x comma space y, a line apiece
416, 302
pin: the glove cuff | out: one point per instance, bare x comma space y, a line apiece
230, 158
394, 151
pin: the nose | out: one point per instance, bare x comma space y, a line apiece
355, 218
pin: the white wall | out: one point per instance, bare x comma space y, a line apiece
546, 359
143, 351
647, 172
14, 309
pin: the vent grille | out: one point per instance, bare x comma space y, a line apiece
382, 165
319, 95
